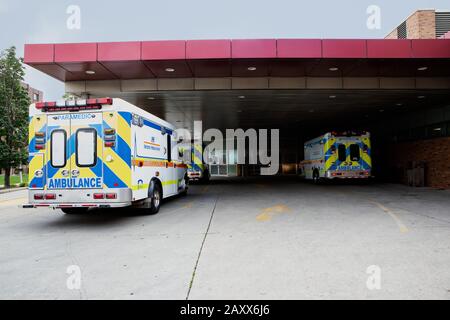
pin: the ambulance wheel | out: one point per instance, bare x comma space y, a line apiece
316, 177
155, 197
206, 176
74, 210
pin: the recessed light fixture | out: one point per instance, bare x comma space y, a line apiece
90, 72
170, 70
399, 104
420, 97
333, 69
251, 68
151, 98
333, 97
241, 97
422, 68
437, 129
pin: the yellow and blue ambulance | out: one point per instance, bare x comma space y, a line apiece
338, 155
101, 153
197, 169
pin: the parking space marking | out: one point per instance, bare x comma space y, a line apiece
400, 224
268, 213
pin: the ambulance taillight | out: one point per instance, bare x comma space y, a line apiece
109, 137
39, 141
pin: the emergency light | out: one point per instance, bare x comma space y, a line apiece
73, 105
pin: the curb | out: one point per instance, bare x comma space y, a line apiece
2, 191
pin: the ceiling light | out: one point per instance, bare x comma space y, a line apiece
422, 68
239, 111
399, 104
437, 129
170, 69
251, 68
311, 111
334, 69
90, 72
332, 97
241, 97
151, 98
381, 110
421, 97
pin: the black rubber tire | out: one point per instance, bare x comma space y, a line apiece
206, 176
155, 200
74, 210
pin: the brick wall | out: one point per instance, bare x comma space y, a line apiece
434, 152
420, 25
393, 34
34, 94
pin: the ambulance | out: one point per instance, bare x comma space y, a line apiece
101, 153
338, 155
198, 170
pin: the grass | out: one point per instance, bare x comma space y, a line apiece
15, 180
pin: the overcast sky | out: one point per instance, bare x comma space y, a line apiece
44, 21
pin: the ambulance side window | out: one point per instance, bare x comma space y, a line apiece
342, 153
86, 147
58, 149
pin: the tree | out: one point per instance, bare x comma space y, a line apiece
14, 102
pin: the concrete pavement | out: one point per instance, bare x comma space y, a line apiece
245, 239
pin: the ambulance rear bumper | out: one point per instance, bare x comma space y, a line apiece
80, 198
359, 174
70, 205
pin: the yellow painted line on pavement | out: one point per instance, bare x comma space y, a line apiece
13, 202
400, 224
268, 213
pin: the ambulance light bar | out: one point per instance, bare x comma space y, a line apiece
348, 133
73, 105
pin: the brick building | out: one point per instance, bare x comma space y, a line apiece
34, 94
423, 24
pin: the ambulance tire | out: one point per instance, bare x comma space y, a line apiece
206, 176
74, 210
316, 176
186, 186
155, 197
